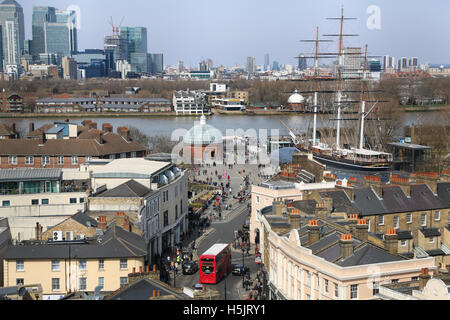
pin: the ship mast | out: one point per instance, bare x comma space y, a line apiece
339, 93
316, 86
363, 102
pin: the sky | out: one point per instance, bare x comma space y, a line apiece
228, 31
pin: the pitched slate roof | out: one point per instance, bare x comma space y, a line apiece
367, 202
341, 202
422, 198
443, 191
307, 206
129, 189
368, 253
143, 290
115, 243
85, 220
404, 235
395, 200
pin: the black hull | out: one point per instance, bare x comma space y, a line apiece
350, 166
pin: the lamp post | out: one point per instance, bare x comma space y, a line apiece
243, 266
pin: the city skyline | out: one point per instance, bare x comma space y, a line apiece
264, 30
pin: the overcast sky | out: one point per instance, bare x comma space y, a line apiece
228, 31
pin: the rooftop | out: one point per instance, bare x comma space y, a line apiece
29, 174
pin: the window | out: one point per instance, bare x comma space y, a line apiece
176, 211
88, 158
82, 264
83, 284
123, 264
34, 202
403, 243
409, 218
55, 284
29, 160
112, 156
308, 297
12, 160
423, 220
19, 282
55, 265
61, 160
166, 218
308, 278
6, 203
123, 281
336, 290
74, 160
257, 199
381, 220
133, 154
415, 279
73, 200
437, 215
394, 281
44, 201
376, 287
101, 282
20, 265
123, 155
81, 200
396, 222
326, 285
431, 240
101, 264
354, 291
45, 160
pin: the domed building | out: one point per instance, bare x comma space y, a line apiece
203, 144
296, 101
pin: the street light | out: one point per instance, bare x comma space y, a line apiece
243, 265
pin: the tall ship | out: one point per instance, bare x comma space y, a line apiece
359, 157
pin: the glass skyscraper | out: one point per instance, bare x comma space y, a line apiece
61, 35
41, 16
136, 38
13, 32
157, 63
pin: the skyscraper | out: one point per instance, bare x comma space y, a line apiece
180, 66
119, 47
41, 16
302, 65
157, 63
13, 32
251, 65
388, 62
136, 38
266, 62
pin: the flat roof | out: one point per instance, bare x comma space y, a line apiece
409, 146
139, 166
215, 249
277, 185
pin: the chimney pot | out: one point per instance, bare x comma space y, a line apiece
159, 293
154, 268
346, 245
154, 293
140, 269
147, 269
134, 270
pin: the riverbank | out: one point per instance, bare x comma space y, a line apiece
92, 115
429, 108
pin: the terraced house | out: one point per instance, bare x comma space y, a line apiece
67, 145
62, 267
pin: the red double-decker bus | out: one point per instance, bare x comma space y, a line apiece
215, 263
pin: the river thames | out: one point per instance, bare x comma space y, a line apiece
167, 125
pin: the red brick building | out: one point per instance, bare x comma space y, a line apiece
67, 145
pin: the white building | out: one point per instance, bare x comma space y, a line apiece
124, 67
189, 102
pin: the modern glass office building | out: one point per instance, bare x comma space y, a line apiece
157, 60
61, 35
119, 47
41, 16
13, 32
136, 38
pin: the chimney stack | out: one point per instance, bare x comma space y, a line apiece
126, 224
346, 244
107, 127
278, 208
391, 239
93, 125
362, 230
102, 222
313, 231
352, 221
38, 231
31, 127
294, 218
124, 133
423, 278
86, 123
140, 269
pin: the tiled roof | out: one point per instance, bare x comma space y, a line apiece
367, 202
85, 220
5, 130
368, 253
143, 290
422, 198
341, 202
113, 144
443, 191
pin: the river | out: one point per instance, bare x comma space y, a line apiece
167, 125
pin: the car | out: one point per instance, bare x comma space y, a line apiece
190, 267
239, 270
197, 287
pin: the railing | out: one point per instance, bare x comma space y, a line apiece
64, 189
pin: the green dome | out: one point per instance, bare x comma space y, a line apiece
203, 134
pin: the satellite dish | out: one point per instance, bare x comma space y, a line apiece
22, 291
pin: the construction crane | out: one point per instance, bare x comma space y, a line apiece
116, 30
